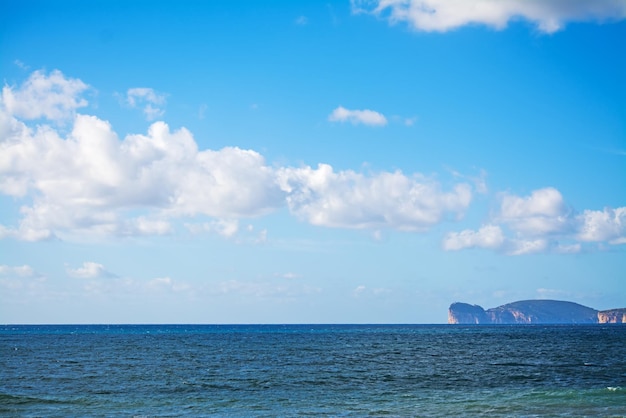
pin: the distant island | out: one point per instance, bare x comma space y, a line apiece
534, 312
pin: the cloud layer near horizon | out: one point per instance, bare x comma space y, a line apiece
89, 182
443, 15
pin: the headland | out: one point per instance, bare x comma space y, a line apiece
534, 312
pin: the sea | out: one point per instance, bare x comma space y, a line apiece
312, 370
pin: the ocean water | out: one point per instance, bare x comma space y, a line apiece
312, 370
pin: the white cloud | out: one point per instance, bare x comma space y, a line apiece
53, 97
302, 20
488, 236
410, 121
21, 65
606, 225
541, 213
289, 276
89, 181
19, 279
149, 100
442, 15
347, 199
479, 180
144, 226
520, 247
365, 117
542, 222
17, 271
161, 284
361, 291
265, 290
89, 270
261, 237
224, 227
568, 248
358, 291
544, 293
202, 111
227, 183
24, 232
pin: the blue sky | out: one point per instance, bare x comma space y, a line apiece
307, 162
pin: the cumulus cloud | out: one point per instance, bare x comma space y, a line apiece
442, 15
605, 225
148, 100
89, 180
347, 199
53, 97
542, 222
543, 212
365, 117
89, 270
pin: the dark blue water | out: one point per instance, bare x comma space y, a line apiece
295, 370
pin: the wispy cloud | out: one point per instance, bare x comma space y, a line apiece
365, 117
224, 227
289, 275
265, 289
410, 121
202, 111
19, 279
361, 291
148, 100
443, 15
17, 271
89, 270
21, 65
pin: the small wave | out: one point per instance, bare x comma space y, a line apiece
8, 399
614, 388
591, 365
512, 364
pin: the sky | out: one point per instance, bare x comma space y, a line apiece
309, 162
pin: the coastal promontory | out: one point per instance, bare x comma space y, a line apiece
533, 312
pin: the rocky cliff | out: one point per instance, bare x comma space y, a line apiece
612, 316
533, 312
464, 313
